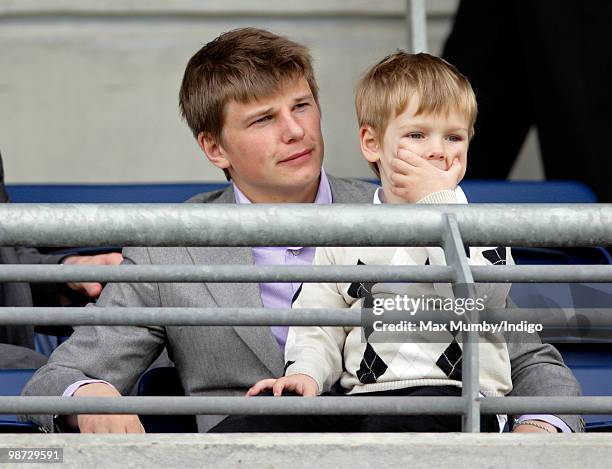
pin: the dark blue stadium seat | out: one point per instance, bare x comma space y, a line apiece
522, 192
108, 193
477, 191
559, 192
11, 384
164, 381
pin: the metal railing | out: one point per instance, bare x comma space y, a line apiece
416, 26
70, 225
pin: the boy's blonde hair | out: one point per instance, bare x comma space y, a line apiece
384, 91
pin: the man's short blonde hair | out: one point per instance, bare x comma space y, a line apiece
385, 90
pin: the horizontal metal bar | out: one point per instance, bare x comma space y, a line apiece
223, 273
543, 273
589, 323
547, 405
388, 405
292, 224
599, 320
136, 316
256, 274
231, 405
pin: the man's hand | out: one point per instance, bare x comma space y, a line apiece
414, 178
92, 289
542, 427
89, 423
301, 384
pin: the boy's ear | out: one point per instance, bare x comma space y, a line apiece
213, 150
369, 144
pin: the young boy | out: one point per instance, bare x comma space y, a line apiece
416, 115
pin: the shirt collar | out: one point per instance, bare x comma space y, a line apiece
324, 194
379, 196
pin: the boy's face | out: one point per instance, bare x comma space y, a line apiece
273, 147
438, 139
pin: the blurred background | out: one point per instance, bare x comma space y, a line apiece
88, 89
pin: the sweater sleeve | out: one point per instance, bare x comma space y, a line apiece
494, 294
317, 351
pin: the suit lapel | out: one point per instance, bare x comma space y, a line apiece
240, 295
350, 192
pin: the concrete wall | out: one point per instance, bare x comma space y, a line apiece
88, 89
338, 451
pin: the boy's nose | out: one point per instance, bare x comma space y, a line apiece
435, 151
435, 156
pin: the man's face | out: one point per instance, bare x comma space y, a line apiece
437, 138
273, 147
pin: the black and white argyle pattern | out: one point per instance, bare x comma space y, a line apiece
496, 256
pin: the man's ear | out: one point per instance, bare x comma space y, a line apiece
369, 144
213, 150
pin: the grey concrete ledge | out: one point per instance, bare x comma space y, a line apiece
329, 450
236, 7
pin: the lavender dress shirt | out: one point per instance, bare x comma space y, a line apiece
280, 295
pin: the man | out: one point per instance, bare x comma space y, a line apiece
17, 342
250, 99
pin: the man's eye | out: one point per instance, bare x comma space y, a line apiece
301, 105
263, 119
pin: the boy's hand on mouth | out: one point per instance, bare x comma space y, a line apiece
414, 178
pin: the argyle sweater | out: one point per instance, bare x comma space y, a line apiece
330, 353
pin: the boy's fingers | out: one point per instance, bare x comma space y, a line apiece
309, 390
400, 180
410, 157
303, 387
456, 169
400, 166
278, 387
407, 151
261, 386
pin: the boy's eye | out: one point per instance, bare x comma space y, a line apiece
415, 135
455, 138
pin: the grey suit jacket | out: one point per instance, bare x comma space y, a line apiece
19, 338
222, 361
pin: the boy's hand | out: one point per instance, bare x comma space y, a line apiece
303, 385
414, 178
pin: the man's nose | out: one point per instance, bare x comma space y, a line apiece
292, 129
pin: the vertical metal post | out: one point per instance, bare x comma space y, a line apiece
416, 26
464, 287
